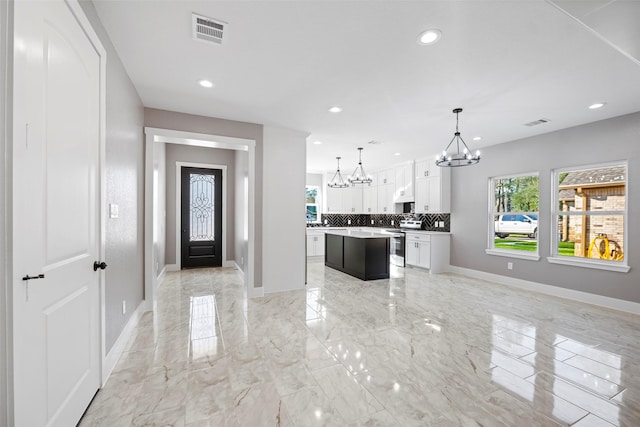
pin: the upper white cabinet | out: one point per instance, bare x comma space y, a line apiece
352, 199
370, 199
385, 198
403, 183
426, 168
432, 187
387, 176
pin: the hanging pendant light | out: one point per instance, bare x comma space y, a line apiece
337, 181
459, 158
358, 176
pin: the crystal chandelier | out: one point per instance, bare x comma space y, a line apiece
459, 158
337, 181
359, 176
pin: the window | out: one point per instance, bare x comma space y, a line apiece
590, 216
513, 219
312, 202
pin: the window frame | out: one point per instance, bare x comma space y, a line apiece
491, 250
555, 257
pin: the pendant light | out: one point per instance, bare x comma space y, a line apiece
459, 158
337, 181
358, 176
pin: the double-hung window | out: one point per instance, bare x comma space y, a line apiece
513, 216
590, 216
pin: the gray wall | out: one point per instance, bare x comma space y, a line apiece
215, 156
125, 179
200, 124
608, 140
241, 243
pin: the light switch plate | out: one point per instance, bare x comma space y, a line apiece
113, 210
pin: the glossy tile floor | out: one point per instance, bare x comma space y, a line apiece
414, 350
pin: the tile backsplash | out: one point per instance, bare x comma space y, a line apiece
429, 221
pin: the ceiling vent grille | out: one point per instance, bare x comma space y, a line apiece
537, 122
208, 29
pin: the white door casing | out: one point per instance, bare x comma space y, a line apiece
56, 214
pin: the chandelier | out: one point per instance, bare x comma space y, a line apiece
358, 176
337, 181
459, 158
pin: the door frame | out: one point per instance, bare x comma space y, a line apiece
157, 136
179, 166
6, 205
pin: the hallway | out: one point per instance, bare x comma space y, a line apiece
416, 349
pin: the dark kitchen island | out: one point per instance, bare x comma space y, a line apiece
362, 254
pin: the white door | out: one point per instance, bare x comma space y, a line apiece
56, 216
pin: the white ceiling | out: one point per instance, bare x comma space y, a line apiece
283, 63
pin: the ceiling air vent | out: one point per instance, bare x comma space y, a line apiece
207, 29
537, 122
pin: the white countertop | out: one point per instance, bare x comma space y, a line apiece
426, 232
359, 234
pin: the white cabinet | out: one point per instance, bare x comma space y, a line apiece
427, 168
385, 198
428, 250
387, 176
432, 187
315, 243
370, 199
403, 183
352, 199
334, 199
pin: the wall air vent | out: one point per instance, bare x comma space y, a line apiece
208, 29
537, 122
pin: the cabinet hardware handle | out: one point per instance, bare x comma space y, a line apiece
39, 276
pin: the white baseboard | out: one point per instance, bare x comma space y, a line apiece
584, 297
111, 359
161, 275
255, 292
228, 263
171, 267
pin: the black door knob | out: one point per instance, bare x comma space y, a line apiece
99, 265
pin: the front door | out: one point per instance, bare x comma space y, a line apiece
201, 237
56, 227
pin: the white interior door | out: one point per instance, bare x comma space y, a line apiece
56, 215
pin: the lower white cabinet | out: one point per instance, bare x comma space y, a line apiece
315, 244
427, 250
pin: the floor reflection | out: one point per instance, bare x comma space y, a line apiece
415, 349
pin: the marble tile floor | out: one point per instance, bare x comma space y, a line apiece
414, 350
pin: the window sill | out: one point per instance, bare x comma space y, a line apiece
585, 263
513, 254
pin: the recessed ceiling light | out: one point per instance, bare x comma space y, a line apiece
335, 109
205, 83
429, 36
597, 105
317, 142
477, 138
396, 154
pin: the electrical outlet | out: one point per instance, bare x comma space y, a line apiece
348, 222
326, 222
124, 307
391, 222
372, 221
509, 266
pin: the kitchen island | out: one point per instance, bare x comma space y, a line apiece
362, 254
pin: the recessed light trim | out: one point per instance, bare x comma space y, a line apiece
597, 105
477, 138
429, 37
317, 142
396, 154
205, 83
335, 109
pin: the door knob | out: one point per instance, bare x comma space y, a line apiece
99, 265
